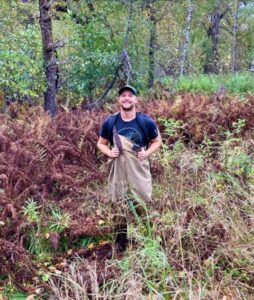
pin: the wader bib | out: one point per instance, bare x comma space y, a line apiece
129, 174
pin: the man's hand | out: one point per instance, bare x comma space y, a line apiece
155, 144
142, 154
103, 146
114, 152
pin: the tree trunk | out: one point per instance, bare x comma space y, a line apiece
234, 42
211, 65
213, 33
50, 60
186, 39
152, 45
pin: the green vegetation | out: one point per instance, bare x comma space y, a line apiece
89, 39
43, 235
240, 83
9, 292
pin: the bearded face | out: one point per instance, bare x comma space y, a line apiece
127, 100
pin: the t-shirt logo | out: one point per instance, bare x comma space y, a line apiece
132, 134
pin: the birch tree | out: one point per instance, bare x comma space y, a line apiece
187, 30
234, 41
152, 43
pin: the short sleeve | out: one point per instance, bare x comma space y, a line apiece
104, 131
152, 129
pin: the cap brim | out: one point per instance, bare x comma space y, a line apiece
126, 88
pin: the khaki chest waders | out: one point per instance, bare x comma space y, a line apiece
129, 174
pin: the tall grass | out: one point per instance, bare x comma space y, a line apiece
200, 247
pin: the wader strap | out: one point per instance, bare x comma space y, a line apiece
117, 140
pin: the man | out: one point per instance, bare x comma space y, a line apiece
129, 138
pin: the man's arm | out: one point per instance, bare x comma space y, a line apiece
103, 146
155, 144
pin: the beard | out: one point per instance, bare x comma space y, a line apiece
130, 108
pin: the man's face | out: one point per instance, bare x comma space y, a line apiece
127, 100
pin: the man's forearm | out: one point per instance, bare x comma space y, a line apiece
153, 147
104, 149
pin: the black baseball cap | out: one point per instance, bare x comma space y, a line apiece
128, 88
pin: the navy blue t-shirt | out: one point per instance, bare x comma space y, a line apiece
130, 129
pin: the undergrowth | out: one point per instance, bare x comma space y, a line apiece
198, 241
201, 245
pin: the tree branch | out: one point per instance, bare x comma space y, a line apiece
122, 56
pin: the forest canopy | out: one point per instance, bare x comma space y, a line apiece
99, 45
